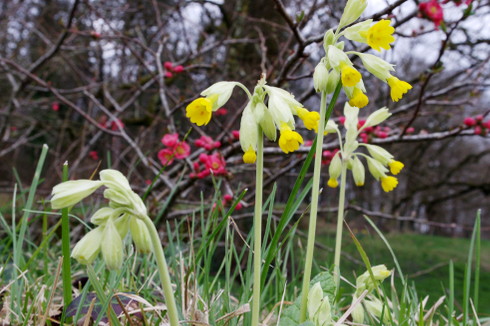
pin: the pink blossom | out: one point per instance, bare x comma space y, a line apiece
168, 74
478, 130
178, 69
410, 130
221, 111
361, 123
168, 65
214, 163
479, 118
364, 137
432, 10
93, 155
182, 150
235, 134
166, 156
381, 134
342, 120
227, 197
469, 121
55, 106
116, 125
486, 124
238, 206
148, 182
170, 140
308, 143
207, 143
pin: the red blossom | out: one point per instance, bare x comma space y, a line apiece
410, 130
469, 121
168, 74
235, 134
432, 10
182, 150
93, 155
170, 140
55, 106
168, 65
178, 69
207, 143
221, 111
166, 156
478, 130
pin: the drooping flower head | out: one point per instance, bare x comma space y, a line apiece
201, 109
124, 214
380, 162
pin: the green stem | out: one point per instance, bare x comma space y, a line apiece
163, 271
315, 193
65, 247
258, 229
340, 224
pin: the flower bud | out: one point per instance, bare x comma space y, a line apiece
335, 167
352, 32
328, 39
248, 129
358, 171
379, 154
140, 235
114, 179
333, 80
112, 246
377, 117
221, 91
320, 77
366, 282
87, 249
101, 215
376, 66
352, 11
69, 193
376, 169
336, 57
265, 121
358, 312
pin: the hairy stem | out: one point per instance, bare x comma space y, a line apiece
163, 271
258, 229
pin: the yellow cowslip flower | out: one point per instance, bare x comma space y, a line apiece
310, 118
398, 88
395, 166
289, 140
200, 110
379, 35
349, 75
333, 183
388, 183
249, 156
358, 99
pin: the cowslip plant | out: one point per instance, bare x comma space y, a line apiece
269, 109
334, 71
126, 213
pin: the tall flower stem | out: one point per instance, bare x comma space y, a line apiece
315, 193
340, 226
163, 271
258, 229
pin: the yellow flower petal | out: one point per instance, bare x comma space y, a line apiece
332, 183
359, 99
200, 111
350, 76
289, 140
398, 88
388, 183
310, 118
249, 156
395, 166
380, 35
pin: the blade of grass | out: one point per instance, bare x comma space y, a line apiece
451, 292
477, 259
467, 272
102, 297
65, 248
395, 260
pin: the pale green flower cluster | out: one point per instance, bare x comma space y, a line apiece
319, 309
379, 160
373, 305
336, 65
124, 214
269, 107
